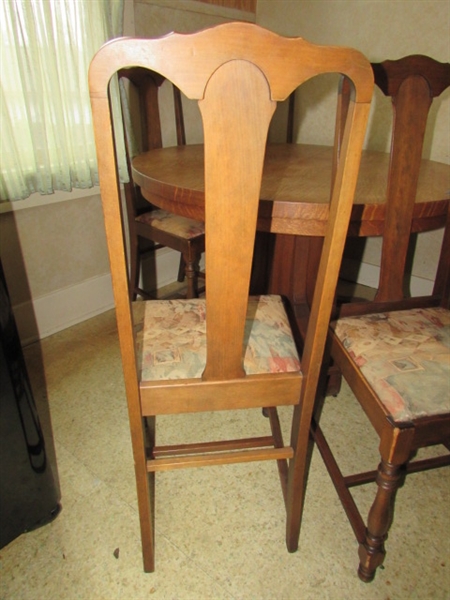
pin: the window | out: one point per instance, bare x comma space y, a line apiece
47, 141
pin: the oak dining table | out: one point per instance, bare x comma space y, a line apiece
294, 200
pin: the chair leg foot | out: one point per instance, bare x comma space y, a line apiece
371, 556
371, 551
149, 566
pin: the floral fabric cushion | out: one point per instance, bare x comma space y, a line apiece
404, 356
171, 338
174, 224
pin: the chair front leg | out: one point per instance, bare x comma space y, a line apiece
191, 268
181, 270
372, 551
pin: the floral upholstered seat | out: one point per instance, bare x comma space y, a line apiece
174, 224
174, 345
405, 358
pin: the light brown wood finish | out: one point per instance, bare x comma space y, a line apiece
295, 188
412, 82
141, 229
237, 72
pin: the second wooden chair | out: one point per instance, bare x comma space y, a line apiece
147, 223
394, 351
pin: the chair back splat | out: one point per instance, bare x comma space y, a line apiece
412, 83
226, 352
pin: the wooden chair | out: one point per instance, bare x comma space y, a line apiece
392, 350
147, 223
237, 353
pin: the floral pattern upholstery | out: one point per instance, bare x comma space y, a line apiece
405, 358
171, 338
174, 224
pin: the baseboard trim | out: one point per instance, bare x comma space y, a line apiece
366, 274
43, 316
46, 315
156, 275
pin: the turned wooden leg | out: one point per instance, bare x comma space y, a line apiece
190, 269
371, 551
191, 280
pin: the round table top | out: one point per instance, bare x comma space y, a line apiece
295, 188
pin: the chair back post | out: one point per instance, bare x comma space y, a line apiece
179, 117
442, 281
343, 189
147, 86
290, 119
344, 93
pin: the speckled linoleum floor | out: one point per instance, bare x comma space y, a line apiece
219, 530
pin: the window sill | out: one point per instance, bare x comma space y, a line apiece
36, 200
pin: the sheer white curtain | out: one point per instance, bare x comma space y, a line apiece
46, 139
